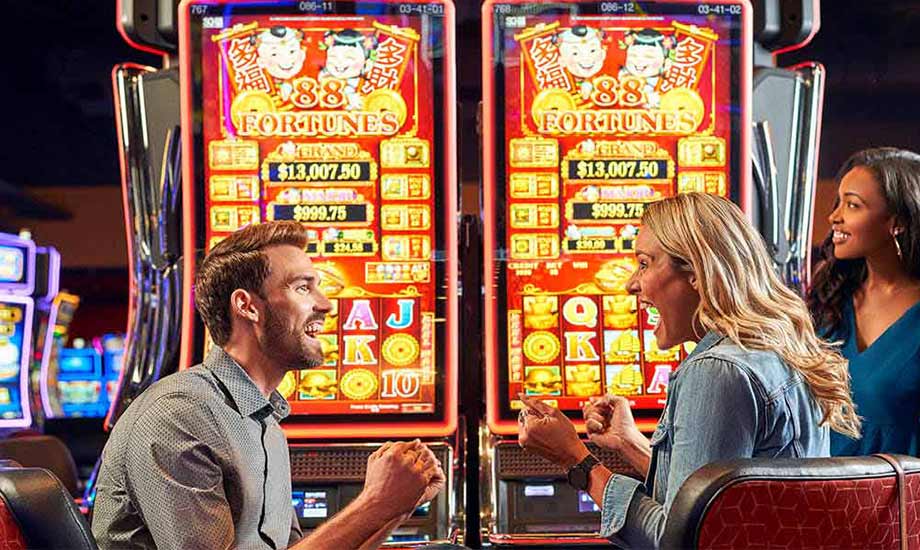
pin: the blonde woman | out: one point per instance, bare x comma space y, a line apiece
759, 383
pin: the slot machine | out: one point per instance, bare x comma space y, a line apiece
339, 115
80, 383
17, 282
63, 308
47, 285
591, 111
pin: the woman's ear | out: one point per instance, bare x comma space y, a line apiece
693, 281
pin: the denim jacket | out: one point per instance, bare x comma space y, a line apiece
723, 403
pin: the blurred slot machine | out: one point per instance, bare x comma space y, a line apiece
592, 110
339, 115
47, 286
112, 349
17, 283
63, 308
81, 383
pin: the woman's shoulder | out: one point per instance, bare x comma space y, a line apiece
765, 368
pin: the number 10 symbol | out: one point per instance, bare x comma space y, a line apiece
400, 383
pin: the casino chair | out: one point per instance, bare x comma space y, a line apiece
43, 451
818, 503
36, 512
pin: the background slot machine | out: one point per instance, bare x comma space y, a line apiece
339, 115
591, 111
47, 285
81, 384
17, 282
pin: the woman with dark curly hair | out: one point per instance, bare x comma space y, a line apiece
866, 293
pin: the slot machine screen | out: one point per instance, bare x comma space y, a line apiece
80, 383
15, 351
332, 114
17, 264
593, 111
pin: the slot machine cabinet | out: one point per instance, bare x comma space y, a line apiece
591, 111
17, 283
47, 286
352, 133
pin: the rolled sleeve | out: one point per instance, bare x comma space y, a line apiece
176, 478
618, 495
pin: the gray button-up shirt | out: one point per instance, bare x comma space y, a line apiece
724, 402
198, 461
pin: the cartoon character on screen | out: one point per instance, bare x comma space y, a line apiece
582, 52
348, 55
281, 55
648, 55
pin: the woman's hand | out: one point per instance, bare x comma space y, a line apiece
546, 431
610, 422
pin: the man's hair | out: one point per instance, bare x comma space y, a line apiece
239, 261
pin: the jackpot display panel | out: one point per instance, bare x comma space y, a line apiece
592, 110
338, 115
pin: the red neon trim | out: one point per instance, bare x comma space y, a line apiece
120, 25
402, 428
493, 419
816, 9
123, 167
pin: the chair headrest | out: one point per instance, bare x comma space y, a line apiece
37, 501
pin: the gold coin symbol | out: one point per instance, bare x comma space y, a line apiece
684, 99
549, 100
359, 384
541, 346
250, 101
400, 350
387, 100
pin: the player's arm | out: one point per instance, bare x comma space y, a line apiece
398, 475
175, 476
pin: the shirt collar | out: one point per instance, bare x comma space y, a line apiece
246, 396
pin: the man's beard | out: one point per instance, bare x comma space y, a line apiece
289, 350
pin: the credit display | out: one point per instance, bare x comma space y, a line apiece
338, 115
592, 111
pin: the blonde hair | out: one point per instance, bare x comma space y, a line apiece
742, 297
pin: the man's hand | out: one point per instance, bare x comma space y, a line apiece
545, 430
399, 474
610, 422
437, 481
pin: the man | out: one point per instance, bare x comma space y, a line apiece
199, 459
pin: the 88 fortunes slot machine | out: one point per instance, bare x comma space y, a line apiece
592, 110
339, 115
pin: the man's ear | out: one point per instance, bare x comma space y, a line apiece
242, 304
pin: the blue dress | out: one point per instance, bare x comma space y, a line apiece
885, 379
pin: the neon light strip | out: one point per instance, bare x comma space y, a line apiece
46, 359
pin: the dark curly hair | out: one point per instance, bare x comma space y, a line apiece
897, 172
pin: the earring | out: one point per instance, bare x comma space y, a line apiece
897, 245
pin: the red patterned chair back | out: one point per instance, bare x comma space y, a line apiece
816, 503
37, 512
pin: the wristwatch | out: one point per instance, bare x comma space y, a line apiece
580, 473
